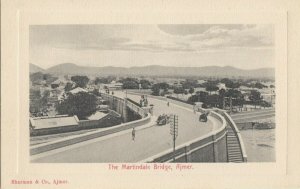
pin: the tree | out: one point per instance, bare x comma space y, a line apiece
189, 83
230, 84
272, 86
255, 97
80, 81
54, 85
179, 90
69, 86
157, 87
145, 84
81, 104
130, 83
211, 87
191, 90
259, 85
222, 92
155, 90
102, 80
38, 102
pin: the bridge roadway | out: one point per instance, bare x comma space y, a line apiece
148, 142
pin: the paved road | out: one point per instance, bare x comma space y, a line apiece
149, 141
253, 115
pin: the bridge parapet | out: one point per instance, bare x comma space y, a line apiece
236, 132
139, 110
208, 148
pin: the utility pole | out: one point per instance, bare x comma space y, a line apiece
230, 101
174, 131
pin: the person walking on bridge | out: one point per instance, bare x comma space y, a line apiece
133, 134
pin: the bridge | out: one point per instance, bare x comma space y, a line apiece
217, 140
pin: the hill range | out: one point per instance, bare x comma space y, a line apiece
155, 70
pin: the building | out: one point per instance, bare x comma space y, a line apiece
112, 86
77, 90
53, 122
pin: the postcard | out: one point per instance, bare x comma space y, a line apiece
132, 99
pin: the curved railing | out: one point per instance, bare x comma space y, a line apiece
236, 132
184, 152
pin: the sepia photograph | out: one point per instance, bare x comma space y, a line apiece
152, 93
139, 94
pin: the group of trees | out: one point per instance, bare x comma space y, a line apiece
38, 101
39, 76
80, 81
130, 83
217, 100
133, 83
104, 80
158, 87
81, 104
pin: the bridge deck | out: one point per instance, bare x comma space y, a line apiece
148, 142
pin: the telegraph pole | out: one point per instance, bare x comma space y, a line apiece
174, 131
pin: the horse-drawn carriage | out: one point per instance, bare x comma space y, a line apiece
162, 119
203, 117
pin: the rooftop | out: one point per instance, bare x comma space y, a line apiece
51, 122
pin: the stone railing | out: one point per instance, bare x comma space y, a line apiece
139, 110
233, 126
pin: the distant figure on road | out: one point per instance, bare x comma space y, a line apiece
133, 134
168, 103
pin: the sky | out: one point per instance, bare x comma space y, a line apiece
196, 45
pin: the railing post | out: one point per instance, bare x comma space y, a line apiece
188, 156
215, 150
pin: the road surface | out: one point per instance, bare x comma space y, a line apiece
148, 142
253, 115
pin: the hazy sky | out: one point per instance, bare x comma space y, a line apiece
241, 46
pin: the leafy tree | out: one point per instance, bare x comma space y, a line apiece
259, 85
179, 90
35, 94
96, 92
272, 86
80, 81
255, 97
191, 90
69, 86
157, 87
38, 102
186, 92
81, 104
211, 87
39, 76
189, 83
200, 96
230, 84
233, 93
222, 92
130, 83
102, 80
213, 100
155, 90
54, 85
163, 85
145, 84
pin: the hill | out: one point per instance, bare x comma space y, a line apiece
34, 68
155, 70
